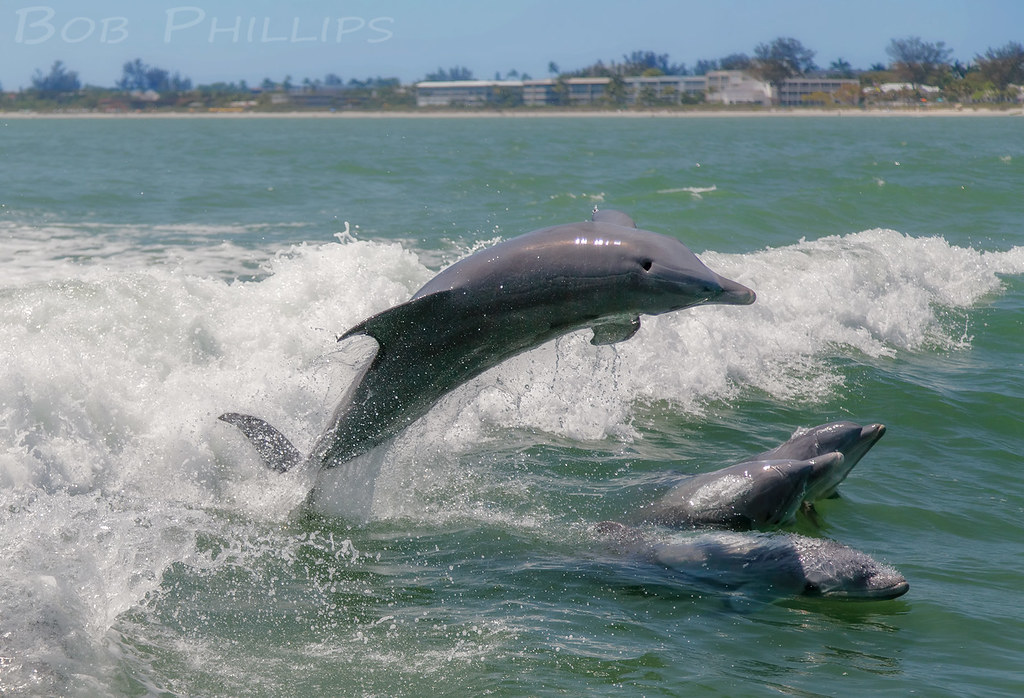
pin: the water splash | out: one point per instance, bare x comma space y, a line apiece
116, 370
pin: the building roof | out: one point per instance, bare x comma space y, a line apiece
441, 84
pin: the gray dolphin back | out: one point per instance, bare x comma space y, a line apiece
754, 494
506, 299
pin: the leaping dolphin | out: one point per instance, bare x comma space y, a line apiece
602, 274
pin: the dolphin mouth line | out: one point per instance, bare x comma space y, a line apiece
892, 591
733, 292
750, 298
737, 296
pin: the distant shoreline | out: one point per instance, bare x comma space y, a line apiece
523, 114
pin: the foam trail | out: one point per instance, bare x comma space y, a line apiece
115, 466
114, 372
696, 192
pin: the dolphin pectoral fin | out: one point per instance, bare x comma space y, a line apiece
618, 330
274, 449
809, 511
616, 217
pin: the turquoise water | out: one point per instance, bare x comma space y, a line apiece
158, 272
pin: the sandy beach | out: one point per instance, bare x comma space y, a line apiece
526, 114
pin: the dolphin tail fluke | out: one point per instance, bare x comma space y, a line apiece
273, 447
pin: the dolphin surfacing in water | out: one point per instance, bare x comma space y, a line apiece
782, 563
762, 493
601, 274
750, 495
777, 564
849, 438
767, 490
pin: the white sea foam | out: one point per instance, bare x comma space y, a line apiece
128, 364
51, 251
115, 368
696, 192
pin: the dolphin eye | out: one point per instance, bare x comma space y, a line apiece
812, 589
646, 264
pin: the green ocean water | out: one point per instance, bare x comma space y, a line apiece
158, 272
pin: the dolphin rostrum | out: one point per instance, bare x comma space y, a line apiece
499, 302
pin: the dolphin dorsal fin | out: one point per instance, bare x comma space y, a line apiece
615, 217
398, 323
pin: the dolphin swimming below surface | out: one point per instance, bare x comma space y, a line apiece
783, 563
600, 274
777, 564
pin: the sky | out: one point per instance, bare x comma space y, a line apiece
232, 40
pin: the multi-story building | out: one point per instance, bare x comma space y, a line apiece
737, 87
809, 91
664, 89
718, 86
463, 93
540, 93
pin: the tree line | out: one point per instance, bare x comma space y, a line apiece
143, 86
912, 61
989, 76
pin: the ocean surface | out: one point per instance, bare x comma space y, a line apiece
158, 272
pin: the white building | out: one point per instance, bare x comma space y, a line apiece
540, 93
719, 86
464, 93
549, 92
664, 88
737, 87
797, 91
587, 90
